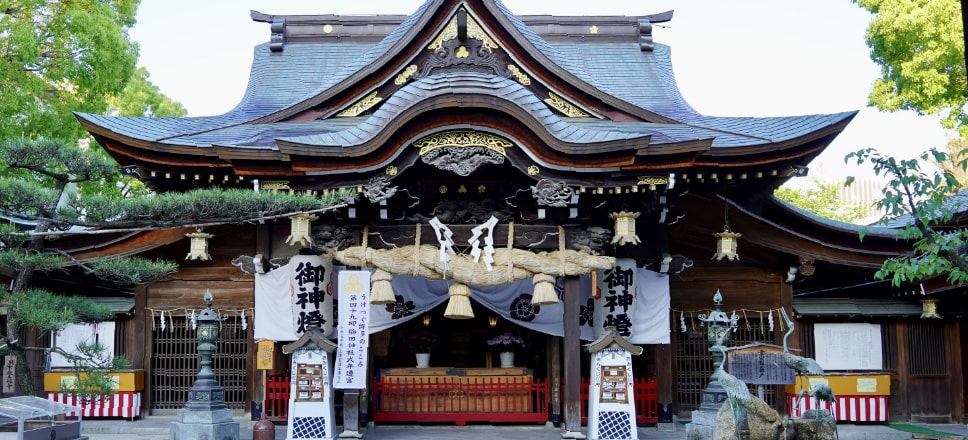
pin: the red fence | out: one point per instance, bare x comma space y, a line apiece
646, 400
277, 398
461, 400
461, 403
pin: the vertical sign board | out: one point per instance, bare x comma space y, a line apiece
353, 288
616, 306
9, 373
265, 350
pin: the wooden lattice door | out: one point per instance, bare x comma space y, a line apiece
175, 363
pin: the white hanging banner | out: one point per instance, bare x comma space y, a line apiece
353, 287
293, 297
616, 306
635, 301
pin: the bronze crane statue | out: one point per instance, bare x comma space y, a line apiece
737, 392
804, 366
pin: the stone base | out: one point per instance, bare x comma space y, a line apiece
351, 434
702, 427
665, 427
573, 435
205, 425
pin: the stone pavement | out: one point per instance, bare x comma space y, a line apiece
159, 427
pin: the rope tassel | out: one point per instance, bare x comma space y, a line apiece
382, 291
544, 290
459, 305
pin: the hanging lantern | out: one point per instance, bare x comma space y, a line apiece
381, 291
426, 320
544, 290
301, 230
199, 246
492, 321
929, 308
459, 306
726, 247
625, 227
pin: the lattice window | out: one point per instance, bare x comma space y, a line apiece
694, 362
175, 363
926, 348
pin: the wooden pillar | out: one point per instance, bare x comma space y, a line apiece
144, 322
666, 393
351, 414
572, 357
554, 378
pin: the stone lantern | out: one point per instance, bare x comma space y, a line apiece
718, 326
205, 414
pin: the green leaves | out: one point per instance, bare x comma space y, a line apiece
131, 270
821, 199
921, 198
58, 57
48, 312
920, 48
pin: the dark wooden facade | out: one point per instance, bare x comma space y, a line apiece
334, 103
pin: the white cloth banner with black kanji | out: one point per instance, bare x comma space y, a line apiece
635, 301
293, 297
353, 288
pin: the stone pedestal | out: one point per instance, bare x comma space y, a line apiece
205, 425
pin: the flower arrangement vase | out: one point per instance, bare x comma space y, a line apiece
507, 359
423, 360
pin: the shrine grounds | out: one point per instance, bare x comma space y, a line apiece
159, 427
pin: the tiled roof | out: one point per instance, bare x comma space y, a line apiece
301, 72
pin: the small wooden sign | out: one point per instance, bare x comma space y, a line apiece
265, 350
9, 374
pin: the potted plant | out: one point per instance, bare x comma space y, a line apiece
421, 343
506, 344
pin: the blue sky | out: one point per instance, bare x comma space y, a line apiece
736, 58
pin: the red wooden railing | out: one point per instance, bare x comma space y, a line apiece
506, 402
277, 398
646, 400
461, 400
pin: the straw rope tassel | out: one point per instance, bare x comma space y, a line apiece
382, 291
459, 305
544, 290
364, 242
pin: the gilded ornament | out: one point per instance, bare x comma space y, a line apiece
391, 170
463, 138
519, 75
481, 189
474, 30
462, 189
593, 29
533, 170
442, 189
275, 185
328, 29
652, 181
569, 110
462, 52
361, 106
405, 75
